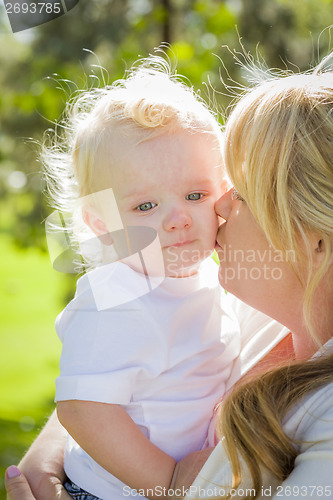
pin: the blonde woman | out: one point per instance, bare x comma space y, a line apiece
275, 428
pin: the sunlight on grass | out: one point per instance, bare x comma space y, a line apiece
31, 296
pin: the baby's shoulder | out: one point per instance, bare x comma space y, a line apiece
109, 299
109, 286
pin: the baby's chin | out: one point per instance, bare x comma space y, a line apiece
184, 269
172, 263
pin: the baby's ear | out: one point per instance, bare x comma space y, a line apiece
93, 219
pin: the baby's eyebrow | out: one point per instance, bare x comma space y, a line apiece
201, 182
134, 195
195, 183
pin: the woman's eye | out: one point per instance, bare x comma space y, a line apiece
236, 196
194, 196
144, 207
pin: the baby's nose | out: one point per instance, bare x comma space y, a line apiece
177, 219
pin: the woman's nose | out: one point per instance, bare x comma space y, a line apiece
224, 204
177, 219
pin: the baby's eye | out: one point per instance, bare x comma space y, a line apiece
236, 196
144, 207
194, 196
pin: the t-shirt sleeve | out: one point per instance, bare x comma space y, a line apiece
105, 353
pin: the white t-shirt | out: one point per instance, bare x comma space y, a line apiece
164, 356
310, 423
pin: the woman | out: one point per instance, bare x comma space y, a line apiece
278, 426
275, 248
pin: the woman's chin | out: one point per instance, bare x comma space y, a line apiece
221, 276
229, 281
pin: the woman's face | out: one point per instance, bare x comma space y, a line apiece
251, 269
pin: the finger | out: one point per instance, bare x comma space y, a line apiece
53, 489
16, 485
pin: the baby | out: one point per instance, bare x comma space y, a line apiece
148, 341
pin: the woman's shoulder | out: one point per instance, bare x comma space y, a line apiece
320, 399
312, 418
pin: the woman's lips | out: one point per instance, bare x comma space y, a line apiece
218, 248
218, 238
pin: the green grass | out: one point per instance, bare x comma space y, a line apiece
31, 295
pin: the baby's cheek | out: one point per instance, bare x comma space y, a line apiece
214, 218
209, 218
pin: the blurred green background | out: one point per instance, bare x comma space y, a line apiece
32, 65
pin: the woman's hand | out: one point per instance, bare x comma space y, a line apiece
186, 471
18, 487
41, 471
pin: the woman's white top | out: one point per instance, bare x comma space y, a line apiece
311, 422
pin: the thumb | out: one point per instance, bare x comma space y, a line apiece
16, 485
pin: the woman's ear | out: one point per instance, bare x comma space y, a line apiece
93, 219
320, 246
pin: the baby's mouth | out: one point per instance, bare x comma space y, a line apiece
180, 243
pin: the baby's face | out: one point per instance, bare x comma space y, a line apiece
171, 183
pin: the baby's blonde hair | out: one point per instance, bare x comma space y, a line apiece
278, 152
151, 100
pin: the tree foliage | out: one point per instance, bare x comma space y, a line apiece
114, 33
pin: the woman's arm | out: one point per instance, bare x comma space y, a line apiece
109, 435
43, 466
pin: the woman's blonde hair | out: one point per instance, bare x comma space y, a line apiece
278, 152
151, 99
